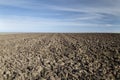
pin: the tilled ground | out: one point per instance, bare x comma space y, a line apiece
60, 57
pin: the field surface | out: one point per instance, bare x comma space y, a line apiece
42, 56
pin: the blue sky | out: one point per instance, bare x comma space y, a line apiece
59, 16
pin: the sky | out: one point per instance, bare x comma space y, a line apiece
60, 16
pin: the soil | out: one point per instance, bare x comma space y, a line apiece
73, 56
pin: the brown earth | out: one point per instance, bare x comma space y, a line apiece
60, 56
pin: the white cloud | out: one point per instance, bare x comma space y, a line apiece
34, 21
113, 8
24, 23
92, 14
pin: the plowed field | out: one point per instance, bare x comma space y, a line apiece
43, 56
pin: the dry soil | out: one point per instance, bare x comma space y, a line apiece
70, 56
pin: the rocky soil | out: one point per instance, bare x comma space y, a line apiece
60, 56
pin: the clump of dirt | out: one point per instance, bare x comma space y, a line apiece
60, 56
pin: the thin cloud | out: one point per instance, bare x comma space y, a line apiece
76, 13
29, 4
113, 9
